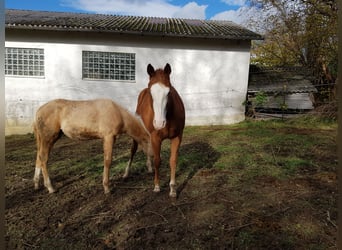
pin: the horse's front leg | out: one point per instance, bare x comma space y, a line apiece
175, 143
108, 142
149, 164
129, 164
156, 146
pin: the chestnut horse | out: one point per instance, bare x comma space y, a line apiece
163, 114
92, 119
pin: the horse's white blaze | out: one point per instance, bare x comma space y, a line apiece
159, 94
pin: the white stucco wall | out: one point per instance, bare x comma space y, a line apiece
211, 76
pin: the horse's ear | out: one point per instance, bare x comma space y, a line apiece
167, 69
150, 70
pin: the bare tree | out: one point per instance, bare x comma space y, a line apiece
299, 33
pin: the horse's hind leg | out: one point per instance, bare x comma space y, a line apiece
38, 163
129, 164
37, 173
41, 165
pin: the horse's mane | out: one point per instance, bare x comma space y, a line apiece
138, 117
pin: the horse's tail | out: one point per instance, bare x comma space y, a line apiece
36, 132
34, 125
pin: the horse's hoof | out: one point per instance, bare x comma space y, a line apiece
51, 190
173, 194
149, 168
156, 189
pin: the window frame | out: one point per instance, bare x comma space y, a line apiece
108, 66
24, 59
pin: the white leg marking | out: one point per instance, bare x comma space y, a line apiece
36, 177
156, 189
149, 164
173, 192
48, 185
105, 184
106, 190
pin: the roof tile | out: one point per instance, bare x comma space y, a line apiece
157, 26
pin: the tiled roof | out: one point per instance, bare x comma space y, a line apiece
280, 80
155, 26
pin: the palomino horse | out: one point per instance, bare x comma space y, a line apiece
162, 112
92, 119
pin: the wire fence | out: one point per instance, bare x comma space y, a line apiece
283, 104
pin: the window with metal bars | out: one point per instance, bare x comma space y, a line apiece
27, 62
108, 66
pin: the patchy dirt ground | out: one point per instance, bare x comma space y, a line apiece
212, 210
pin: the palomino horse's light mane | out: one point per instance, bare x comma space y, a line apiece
138, 117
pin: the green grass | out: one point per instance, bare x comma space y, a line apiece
275, 148
250, 149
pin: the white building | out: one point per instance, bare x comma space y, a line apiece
84, 56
